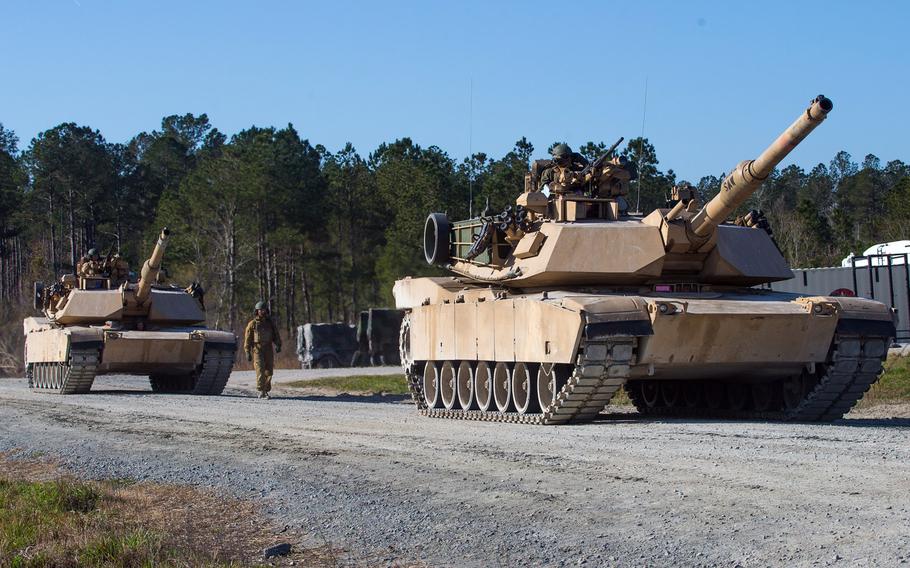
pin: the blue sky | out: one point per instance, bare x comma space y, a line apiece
723, 78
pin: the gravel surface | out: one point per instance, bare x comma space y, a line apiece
369, 475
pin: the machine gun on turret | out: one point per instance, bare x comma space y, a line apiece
595, 167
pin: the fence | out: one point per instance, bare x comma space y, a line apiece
883, 277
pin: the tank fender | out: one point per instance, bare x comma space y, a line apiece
87, 345
612, 315
219, 339
219, 344
604, 329
85, 337
860, 316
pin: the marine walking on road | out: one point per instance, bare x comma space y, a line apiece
261, 341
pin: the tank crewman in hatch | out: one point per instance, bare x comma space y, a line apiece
565, 173
685, 192
119, 269
260, 335
90, 265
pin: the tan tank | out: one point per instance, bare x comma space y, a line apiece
92, 326
563, 300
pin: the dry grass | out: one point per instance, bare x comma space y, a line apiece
11, 346
51, 519
893, 386
358, 384
287, 359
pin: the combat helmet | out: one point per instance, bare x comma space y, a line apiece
561, 151
260, 305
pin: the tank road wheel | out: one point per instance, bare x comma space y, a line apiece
670, 394
523, 392
431, 385
73, 376
483, 386
502, 387
650, 393
448, 390
793, 390
550, 380
465, 381
47, 377
692, 394
715, 395
737, 396
764, 397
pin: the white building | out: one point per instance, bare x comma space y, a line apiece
896, 247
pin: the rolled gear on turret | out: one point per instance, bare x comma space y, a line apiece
95, 324
555, 310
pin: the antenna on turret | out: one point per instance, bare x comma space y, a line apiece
471, 149
641, 145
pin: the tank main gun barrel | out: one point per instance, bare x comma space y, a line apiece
152, 267
748, 176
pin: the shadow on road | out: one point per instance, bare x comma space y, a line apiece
850, 422
874, 422
345, 397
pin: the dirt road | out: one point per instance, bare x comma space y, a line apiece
388, 486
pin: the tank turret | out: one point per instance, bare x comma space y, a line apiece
582, 234
566, 298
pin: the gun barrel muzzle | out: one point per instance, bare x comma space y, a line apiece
748, 176
152, 267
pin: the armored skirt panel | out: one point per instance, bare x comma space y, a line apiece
678, 337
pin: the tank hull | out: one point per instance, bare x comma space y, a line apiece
734, 337
65, 360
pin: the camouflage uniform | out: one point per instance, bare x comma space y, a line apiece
260, 335
565, 172
119, 270
90, 265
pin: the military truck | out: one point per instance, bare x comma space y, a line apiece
326, 345
565, 298
90, 327
377, 337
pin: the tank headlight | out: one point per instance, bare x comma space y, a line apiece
666, 308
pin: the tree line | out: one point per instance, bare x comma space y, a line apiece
323, 234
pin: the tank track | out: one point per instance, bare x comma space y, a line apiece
72, 377
209, 379
600, 371
217, 363
854, 364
